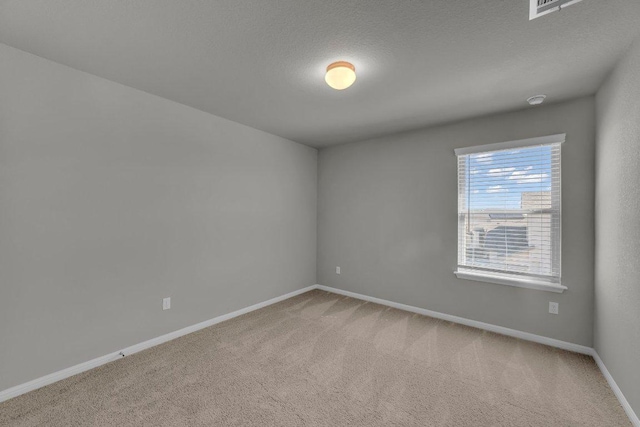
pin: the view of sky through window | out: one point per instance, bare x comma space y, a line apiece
496, 180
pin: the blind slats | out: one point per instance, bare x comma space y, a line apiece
509, 211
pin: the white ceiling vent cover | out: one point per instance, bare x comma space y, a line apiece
539, 8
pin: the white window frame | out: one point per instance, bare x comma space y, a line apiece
529, 282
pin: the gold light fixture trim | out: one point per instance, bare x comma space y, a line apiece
340, 75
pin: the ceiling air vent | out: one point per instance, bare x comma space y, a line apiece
538, 8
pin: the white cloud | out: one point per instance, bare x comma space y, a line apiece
532, 179
500, 171
523, 177
497, 189
484, 157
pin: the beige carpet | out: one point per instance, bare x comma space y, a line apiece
321, 359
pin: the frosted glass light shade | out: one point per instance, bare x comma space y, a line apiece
340, 75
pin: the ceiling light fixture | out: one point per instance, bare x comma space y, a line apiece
340, 75
536, 100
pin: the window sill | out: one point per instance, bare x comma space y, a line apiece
539, 285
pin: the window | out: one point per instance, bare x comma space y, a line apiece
509, 216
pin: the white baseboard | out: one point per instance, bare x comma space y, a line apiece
82, 367
468, 322
616, 390
94, 363
504, 331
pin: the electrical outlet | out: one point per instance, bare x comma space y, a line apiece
553, 307
166, 303
337, 270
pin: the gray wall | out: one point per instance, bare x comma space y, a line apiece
617, 278
388, 216
111, 199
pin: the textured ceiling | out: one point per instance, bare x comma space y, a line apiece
261, 62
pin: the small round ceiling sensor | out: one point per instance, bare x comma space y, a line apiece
536, 100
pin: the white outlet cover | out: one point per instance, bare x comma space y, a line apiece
553, 307
166, 303
337, 270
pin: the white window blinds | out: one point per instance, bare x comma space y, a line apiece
509, 214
